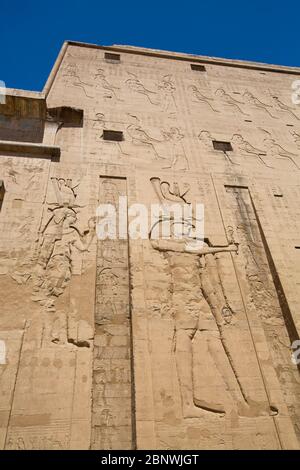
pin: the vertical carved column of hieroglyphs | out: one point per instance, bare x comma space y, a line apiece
111, 397
265, 296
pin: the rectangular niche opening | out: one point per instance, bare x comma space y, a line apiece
111, 57
116, 136
223, 146
198, 67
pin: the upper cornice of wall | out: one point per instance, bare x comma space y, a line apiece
191, 57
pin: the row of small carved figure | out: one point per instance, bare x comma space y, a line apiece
243, 148
174, 136
166, 89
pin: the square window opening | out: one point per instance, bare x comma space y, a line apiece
223, 146
110, 57
198, 67
115, 136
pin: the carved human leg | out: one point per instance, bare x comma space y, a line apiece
191, 407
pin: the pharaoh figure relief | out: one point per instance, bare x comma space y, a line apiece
59, 242
199, 97
101, 81
171, 141
200, 308
167, 88
136, 86
229, 101
284, 108
72, 78
100, 125
179, 160
140, 137
258, 104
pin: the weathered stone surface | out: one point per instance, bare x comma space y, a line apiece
130, 343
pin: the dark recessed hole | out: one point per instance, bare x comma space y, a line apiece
290, 125
223, 146
278, 195
248, 120
2, 192
198, 67
116, 136
297, 247
70, 117
112, 57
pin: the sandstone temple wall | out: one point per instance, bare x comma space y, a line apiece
126, 343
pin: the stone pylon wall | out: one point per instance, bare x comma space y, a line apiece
142, 343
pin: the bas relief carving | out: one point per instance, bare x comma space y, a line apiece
57, 242
171, 140
282, 107
257, 103
199, 97
100, 125
179, 158
167, 89
110, 90
136, 86
112, 366
201, 310
23, 180
72, 78
139, 136
60, 241
262, 293
277, 152
229, 101
243, 150
196, 308
166, 191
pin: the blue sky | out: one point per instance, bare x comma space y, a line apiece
32, 32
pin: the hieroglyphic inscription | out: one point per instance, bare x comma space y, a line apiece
112, 401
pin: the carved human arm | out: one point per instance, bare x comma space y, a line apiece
80, 245
250, 149
57, 190
178, 246
213, 249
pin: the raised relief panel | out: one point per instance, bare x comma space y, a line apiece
71, 76
158, 343
201, 331
108, 89
135, 85
284, 108
200, 97
227, 101
264, 297
112, 425
59, 241
257, 104
167, 89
